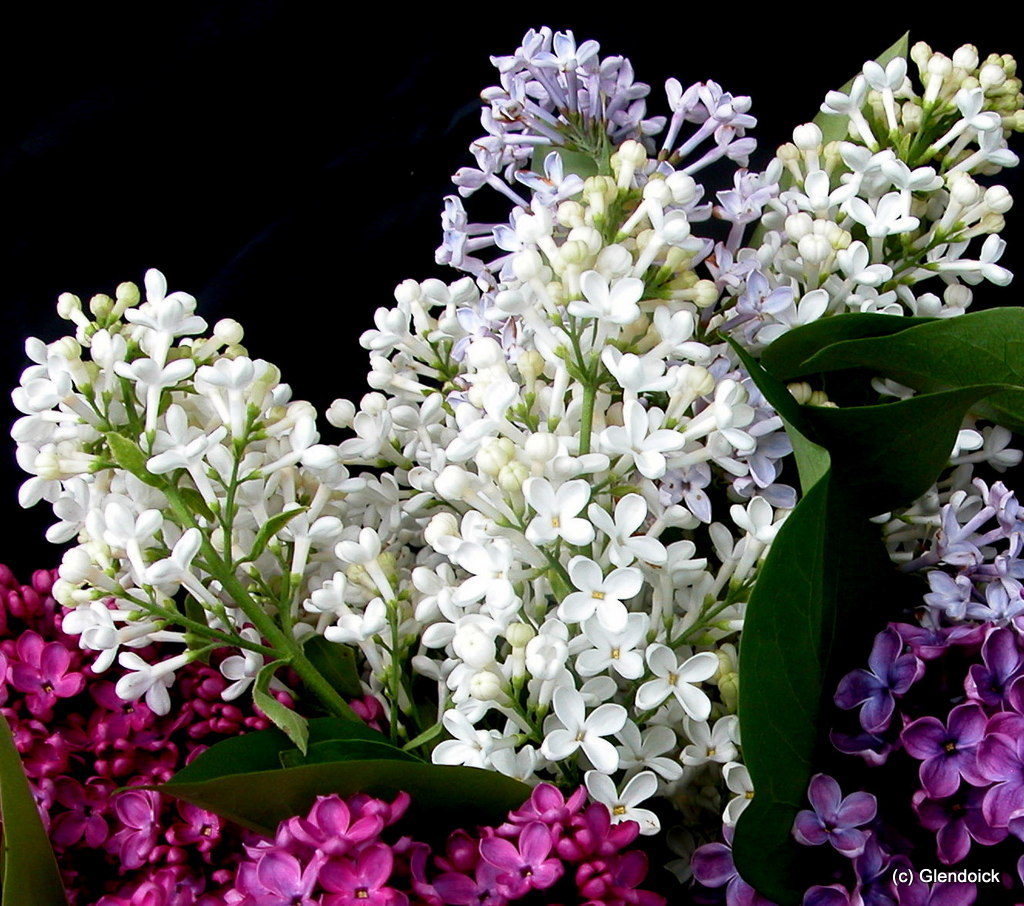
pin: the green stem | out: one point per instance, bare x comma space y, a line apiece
282, 642
587, 417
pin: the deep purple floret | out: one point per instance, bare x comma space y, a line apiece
947, 754
889, 675
835, 819
1001, 761
957, 820
1001, 654
713, 866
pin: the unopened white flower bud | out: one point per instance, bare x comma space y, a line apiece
527, 264
373, 403
703, 293
519, 634
570, 214
441, 526
228, 331
964, 190
452, 483
958, 295
658, 191
511, 301
485, 686
541, 447
407, 291
998, 199
683, 187
939, 65
814, 249
127, 296
101, 305
800, 391
574, 252
807, 137
341, 413
696, 379
494, 454
991, 76
966, 57
484, 352
67, 348
912, 115
799, 225
68, 305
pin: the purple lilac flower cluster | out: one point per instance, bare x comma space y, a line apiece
80, 743
551, 850
942, 698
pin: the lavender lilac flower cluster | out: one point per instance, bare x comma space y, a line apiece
943, 697
552, 850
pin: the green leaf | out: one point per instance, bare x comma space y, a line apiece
294, 726
985, 347
336, 663
333, 750
261, 751
444, 797
786, 357
129, 456
270, 528
833, 127
889, 455
30, 872
812, 460
825, 579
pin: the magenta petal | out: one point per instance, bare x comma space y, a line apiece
281, 874
535, 843
54, 660
500, 853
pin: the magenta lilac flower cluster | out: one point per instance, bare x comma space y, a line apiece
80, 743
552, 850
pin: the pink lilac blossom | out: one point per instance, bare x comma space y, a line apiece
347, 852
80, 744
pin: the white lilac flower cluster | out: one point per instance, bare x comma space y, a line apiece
890, 205
573, 481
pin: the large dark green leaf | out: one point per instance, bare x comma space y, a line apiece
262, 751
827, 577
985, 347
332, 750
443, 797
889, 455
30, 872
786, 358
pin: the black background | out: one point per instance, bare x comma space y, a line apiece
286, 164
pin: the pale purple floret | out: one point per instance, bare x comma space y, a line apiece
835, 819
947, 753
890, 675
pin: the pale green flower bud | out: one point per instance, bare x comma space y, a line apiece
800, 391
531, 365
519, 634
493, 455
101, 305
357, 574
912, 114
512, 476
729, 689
570, 214
68, 306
